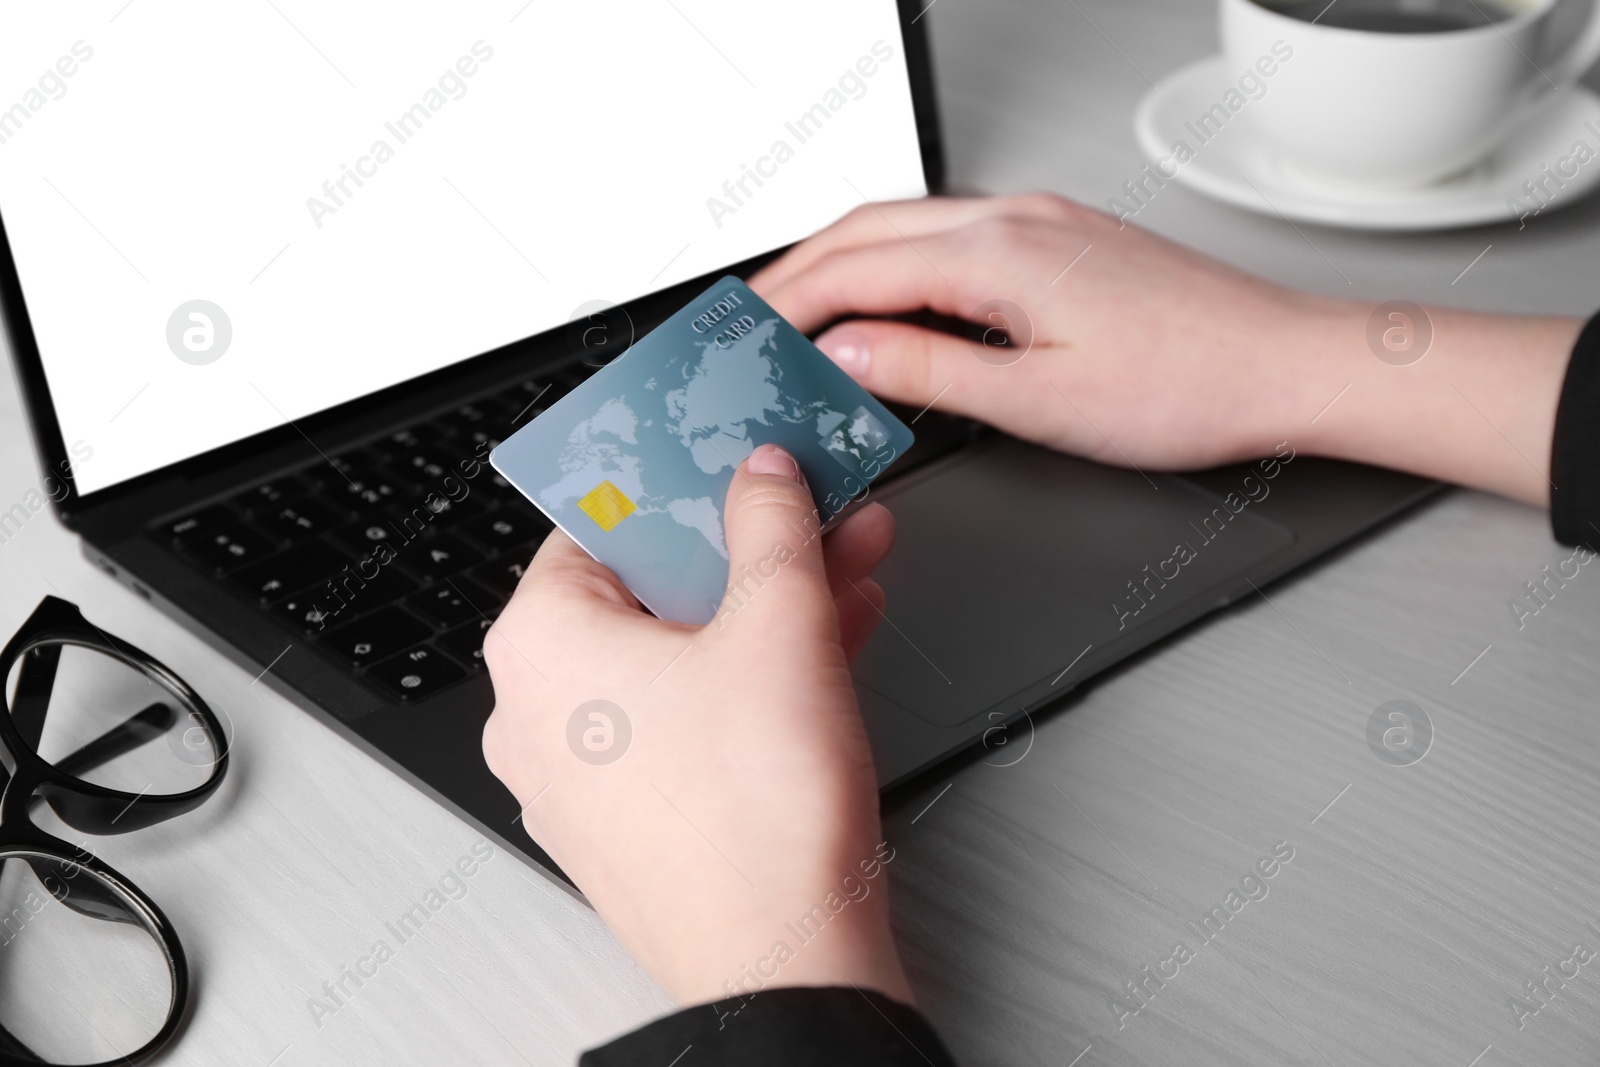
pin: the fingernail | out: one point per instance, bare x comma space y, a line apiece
770, 459
847, 348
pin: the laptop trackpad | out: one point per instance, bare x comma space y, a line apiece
1011, 562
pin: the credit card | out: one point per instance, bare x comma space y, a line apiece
635, 463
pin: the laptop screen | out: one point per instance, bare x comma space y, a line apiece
226, 217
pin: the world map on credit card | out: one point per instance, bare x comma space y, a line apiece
635, 463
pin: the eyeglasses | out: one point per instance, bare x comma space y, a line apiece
91, 971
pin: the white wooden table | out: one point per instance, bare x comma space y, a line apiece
1419, 899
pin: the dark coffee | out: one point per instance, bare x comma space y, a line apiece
1394, 16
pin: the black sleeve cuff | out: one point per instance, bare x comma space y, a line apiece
803, 1027
1575, 445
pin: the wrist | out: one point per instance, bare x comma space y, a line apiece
853, 947
1476, 407
1322, 364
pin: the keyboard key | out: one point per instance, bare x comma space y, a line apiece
489, 601
269, 496
395, 529
372, 564
412, 438
344, 470
446, 457
503, 574
362, 594
479, 443
399, 453
452, 513
309, 564
298, 521
506, 528
425, 468
362, 498
452, 603
465, 643
368, 469
474, 446
364, 538
372, 457
311, 610
227, 546
376, 636
428, 515
441, 555
400, 441
417, 673
525, 392
466, 418
500, 407
195, 528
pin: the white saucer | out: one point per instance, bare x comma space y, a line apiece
1226, 166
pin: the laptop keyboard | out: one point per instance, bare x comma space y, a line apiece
394, 556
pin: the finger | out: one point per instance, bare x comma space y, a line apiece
771, 524
875, 224
860, 606
561, 570
923, 367
884, 279
855, 548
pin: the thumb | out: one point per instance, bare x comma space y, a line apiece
775, 565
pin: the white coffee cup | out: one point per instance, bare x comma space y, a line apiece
1399, 109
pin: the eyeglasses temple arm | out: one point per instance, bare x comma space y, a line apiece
144, 727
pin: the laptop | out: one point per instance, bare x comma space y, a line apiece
277, 277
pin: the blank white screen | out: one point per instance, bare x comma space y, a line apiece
577, 161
